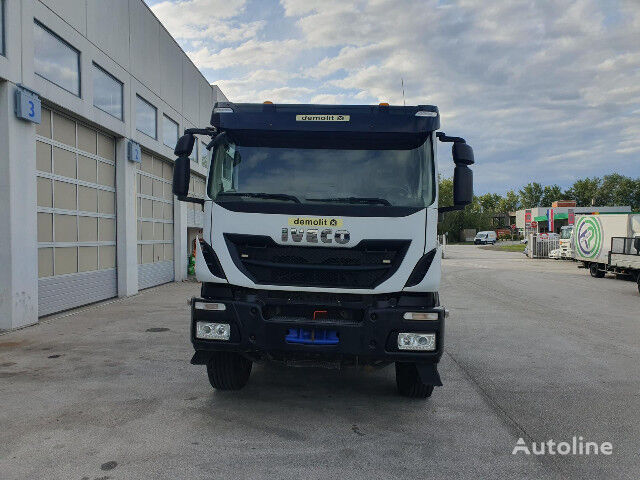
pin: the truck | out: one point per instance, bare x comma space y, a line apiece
319, 243
608, 242
566, 242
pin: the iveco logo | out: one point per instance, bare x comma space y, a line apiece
311, 235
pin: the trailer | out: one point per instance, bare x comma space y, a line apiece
608, 243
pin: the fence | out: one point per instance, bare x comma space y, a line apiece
539, 246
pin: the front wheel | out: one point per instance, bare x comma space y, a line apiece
594, 270
228, 371
638, 282
409, 383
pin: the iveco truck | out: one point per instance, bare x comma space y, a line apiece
319, 242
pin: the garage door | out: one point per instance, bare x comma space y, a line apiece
155, 221
194, 210
76, 214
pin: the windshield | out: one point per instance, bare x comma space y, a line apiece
385, 177
565, 233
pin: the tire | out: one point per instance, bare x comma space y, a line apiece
638, 282
594, 270
228, 371
409, 383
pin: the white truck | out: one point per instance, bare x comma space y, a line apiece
608, 242
319, 242
566, 242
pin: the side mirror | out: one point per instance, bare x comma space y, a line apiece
181, 175
462, 154
184, 145
462, 185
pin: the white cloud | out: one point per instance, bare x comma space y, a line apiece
527, 83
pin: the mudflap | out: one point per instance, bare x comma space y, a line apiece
429, 374
200, 358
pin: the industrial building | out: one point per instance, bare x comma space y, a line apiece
536, 219
93, 96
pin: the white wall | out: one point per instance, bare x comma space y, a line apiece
128, 41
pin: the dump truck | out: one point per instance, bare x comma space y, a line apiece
319, 243
608, 242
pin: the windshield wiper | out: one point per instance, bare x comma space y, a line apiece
380, 201
274, 196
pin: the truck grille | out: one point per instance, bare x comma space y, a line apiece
366, 265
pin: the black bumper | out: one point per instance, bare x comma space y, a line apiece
371, 340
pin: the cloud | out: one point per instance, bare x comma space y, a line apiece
535, 87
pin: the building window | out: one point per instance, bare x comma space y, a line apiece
169, 132
107, 92
194, 153
146, 117
56, 60
2, 52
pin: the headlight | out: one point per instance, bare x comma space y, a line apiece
213, 331
417, 341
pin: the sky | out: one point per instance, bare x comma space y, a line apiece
545, 90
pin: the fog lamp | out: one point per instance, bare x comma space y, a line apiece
213, 331
421, 316
417, 341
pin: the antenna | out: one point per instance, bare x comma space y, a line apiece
402, 82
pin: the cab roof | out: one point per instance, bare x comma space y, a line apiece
358, 119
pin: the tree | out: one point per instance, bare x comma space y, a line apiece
531, 195
489, 202
550, 194
509, 203
584, 191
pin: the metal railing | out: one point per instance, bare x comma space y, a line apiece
539, 246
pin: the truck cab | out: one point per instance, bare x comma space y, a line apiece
319, 242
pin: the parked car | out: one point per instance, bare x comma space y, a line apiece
483, 238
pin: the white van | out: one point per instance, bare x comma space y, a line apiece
482, 238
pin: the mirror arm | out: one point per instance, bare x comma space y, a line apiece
192, 200
443, 137
451, 208
201, 131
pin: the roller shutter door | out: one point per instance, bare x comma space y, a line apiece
76, 205
194, 210
155, 221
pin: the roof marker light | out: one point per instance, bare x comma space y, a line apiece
383, 104
268, 102
426, 113
223, 110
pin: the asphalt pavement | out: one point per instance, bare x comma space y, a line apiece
535, 349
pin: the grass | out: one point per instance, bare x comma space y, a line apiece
518, 247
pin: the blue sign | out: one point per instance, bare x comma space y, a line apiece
28, 105
133, 152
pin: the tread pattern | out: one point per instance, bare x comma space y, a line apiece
228, 371
409, 383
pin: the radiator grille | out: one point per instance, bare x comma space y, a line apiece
365, 265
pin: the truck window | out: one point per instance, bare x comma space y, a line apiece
401, 177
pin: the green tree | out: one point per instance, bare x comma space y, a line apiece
509, 203
550, 194
584, 191
531, 195
489, 202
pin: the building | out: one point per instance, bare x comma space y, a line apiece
536, 219
80, 219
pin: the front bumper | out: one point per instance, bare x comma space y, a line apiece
371, 340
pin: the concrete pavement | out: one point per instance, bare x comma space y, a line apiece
535, 349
